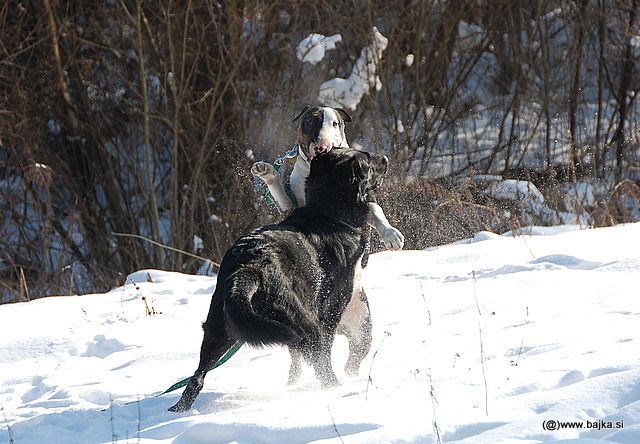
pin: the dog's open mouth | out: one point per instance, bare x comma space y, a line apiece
316, 149
321, 148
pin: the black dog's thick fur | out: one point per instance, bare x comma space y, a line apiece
290, 283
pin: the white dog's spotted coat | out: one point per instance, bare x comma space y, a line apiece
320, 130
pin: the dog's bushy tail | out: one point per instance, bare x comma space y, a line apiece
247, 325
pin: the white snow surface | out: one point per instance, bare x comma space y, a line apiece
479, 342
312, 48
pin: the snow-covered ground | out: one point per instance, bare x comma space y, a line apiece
477, 342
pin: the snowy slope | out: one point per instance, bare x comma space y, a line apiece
550, 321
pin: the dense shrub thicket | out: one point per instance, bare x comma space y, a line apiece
131, 117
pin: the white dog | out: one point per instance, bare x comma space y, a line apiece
321, 129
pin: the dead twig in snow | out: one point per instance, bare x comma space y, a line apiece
484, 373
177, 250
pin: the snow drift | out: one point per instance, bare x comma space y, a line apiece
482, 341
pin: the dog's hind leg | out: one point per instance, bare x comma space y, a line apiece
296, 366
356, 326
212, 349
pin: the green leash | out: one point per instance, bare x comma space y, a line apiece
229, 353
232, 351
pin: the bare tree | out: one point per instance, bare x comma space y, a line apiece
623, 96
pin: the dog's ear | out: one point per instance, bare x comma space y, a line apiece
345, 115
359, 167
360, 171
304, 110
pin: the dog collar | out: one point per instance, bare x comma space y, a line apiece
300, 152
293, 152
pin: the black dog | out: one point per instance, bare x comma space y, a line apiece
289, 283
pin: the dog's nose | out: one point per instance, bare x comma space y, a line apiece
322, 147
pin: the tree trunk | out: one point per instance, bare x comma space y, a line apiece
602, 37
546, 80
624, 100
575, 91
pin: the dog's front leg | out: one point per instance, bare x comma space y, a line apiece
321, 357
269, 176
392, 238
324, 371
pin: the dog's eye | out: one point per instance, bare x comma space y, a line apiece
335, 124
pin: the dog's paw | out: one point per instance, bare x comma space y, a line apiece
351, 369
264, 171
330, 381
180, 407
392, 238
